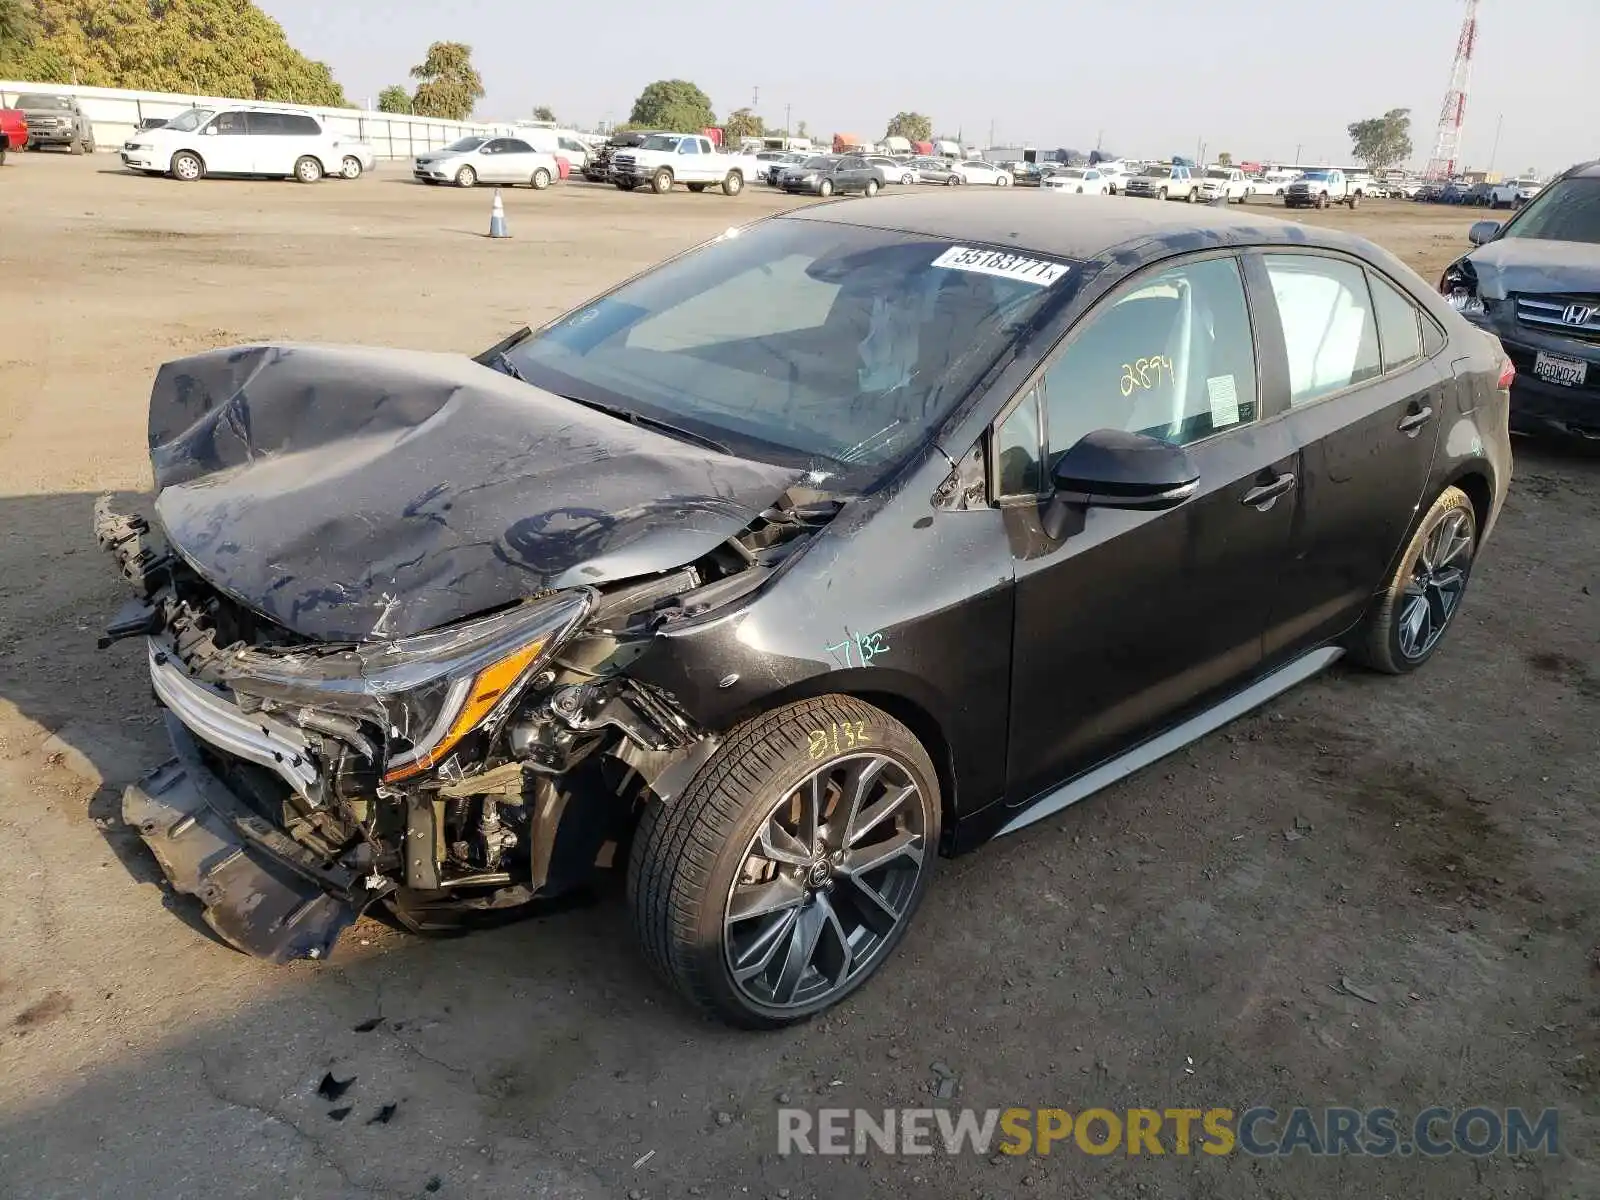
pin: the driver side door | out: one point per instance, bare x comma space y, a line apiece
228, 149
1134, 619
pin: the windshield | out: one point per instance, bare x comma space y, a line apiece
190, 119
818, 345
660, 141
818, 164
36, 100
1315, 175
1565, 211
1215, 174
464, 145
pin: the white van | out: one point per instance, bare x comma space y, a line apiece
557, 142
237, 140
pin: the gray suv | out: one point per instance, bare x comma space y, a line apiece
1534, 282
56, 121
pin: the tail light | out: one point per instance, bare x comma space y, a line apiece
1508, 372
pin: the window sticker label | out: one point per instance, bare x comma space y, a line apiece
1224, 401
1038, 271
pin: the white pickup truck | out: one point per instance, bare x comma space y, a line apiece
692, 159
1513, 193
1226, 181
1318, 189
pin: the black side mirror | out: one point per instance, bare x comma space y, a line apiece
1109, 468
1483, 232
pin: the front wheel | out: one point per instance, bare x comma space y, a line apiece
733, 183
466, 177
1161, 193
1322, 200
1355, 201
350, 168
872, 188
1002, 181
1425, 592
661, 182
825, 188
790, 868
1194, 196
187, 167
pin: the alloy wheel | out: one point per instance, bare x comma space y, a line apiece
1438, 579
825, 882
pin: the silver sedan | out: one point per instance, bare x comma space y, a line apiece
501, 160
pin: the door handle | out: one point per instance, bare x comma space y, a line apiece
1412, 422
1262, 496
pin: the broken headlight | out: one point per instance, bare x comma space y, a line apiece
428, 692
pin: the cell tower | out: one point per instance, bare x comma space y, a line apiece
1447, 143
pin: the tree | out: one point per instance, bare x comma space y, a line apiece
207, 47
544, 113
741, 124
800, 129
1382, 142
450, 86
672, 105
394, 99
912, 126
1224, 159
18, 27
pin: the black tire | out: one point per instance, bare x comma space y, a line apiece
825, 188
187, 166
1355, 201
688, 854
696, 188
74, 147
661, 182
1194, 195
350, 168
3, 149
872, 188
466, 177
307, 169
952, 180
1322, 199
624, 186
541, 179
1380, 643
733, 183
88, 145
1161, 193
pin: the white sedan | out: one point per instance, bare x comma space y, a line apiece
1083, 181
975, 171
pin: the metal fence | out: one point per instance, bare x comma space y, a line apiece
116, 112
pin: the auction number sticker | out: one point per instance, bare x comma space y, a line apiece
1038, 271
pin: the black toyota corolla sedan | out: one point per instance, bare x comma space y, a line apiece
851, 539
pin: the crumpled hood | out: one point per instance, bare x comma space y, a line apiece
1535, 265
352, 493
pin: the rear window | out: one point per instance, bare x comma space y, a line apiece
834, 347
39, 100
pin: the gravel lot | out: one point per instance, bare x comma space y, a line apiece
1435, 842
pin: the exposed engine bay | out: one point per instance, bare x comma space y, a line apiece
469, 768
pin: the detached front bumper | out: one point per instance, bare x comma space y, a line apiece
262, 892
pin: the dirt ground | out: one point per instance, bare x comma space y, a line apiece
1182, 940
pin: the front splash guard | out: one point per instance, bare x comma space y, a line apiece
263, 892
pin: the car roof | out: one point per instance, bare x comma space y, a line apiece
1090, 228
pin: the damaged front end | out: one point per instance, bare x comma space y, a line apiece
474, 767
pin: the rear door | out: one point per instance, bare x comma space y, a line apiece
272, 143
518, 161
1365, 409
1136, 618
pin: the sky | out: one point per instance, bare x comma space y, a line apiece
1264, 80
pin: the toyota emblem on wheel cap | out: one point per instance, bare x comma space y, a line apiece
1577, 314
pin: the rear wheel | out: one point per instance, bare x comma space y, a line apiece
952, 180
872, 188
825, 188
186, 166
541, 179
733, 183
307, 169
351, 167
791, 866
1425, 592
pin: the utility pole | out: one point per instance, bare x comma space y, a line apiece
1297, 150
991, 134
786, 109
755, 99
1100, 140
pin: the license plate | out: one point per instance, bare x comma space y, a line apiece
1553, 368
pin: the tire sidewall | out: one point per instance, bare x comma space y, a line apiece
1389, 656
308, 170
702, 965
182, 155
351, 168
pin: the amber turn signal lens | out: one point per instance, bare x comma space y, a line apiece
487, 690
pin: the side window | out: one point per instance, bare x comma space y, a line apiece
301, 125
1398, 324
1173, 357
265, 124
493, 146
513, 146
1019, 450
1328, 325
229, 123
689, 146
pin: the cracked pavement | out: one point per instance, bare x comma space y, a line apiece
1445, 858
